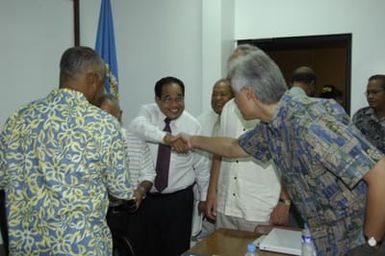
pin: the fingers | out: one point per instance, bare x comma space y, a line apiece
263, 229
211, 211
177, 143
280, 215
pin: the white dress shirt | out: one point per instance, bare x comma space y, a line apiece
140, 164
246, 189
297, 91
208, 120
185, 169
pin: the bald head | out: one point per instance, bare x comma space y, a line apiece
222, 93
305, 78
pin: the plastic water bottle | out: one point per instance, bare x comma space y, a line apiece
251, 250
308, 248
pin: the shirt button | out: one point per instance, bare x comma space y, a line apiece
233, 194
235, 178
244, 129
236, 161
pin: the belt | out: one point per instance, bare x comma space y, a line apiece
158, 194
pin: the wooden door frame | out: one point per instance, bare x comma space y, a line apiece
310, 42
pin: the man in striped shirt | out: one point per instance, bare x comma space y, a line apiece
142, 173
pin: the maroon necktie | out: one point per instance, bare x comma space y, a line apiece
163, 161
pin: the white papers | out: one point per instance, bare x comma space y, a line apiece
281, 240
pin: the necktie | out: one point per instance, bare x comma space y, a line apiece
163, 161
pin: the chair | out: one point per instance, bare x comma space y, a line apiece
117, 221
122, 245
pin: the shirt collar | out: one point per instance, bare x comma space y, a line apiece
69, 94
281, 110
174, 122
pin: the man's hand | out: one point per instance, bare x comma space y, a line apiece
138, 196
202, 207
186, 138
211, 206
263, 229
141, 191
176, 143
280, 215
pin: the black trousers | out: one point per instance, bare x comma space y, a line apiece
167, 222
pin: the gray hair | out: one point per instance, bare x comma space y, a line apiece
76, 61
257, 71
240, 50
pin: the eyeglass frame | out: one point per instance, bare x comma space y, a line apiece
168, 99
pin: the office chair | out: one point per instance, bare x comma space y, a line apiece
117, 221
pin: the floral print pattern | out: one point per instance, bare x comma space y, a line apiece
60, 157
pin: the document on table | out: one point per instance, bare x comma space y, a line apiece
281, 240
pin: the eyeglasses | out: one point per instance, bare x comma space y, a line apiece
373, 93
168, 99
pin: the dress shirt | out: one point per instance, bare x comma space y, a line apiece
208, 120
297, 91
246, 189
60, 158
140, 165
185, 169
322, 158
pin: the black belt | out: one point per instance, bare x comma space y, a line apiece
158, 194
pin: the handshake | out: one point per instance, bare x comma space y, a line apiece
180, 143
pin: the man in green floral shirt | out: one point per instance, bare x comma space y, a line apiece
60, 157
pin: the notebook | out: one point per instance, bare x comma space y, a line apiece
282, 241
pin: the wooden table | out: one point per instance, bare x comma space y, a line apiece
228, 242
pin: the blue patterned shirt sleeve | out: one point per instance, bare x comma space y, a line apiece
339, 146
254, 143
115, 173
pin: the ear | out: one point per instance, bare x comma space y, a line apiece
157, 99
250, 95
92, 79
93, 86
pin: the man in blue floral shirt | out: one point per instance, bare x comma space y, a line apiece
333, 175
371, 120
60, 157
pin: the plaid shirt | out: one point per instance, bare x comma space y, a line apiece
322, 158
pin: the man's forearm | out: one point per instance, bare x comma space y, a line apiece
222, 146
375, 212
214, 175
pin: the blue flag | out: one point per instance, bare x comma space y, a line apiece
105, 47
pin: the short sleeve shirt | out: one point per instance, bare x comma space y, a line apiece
371, 127
322, 158
60, 158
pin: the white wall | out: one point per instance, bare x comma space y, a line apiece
33, 36
190, 39
282, 18
153, 39
217, 43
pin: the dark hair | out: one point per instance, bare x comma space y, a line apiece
167, 80
378, 77
329, 91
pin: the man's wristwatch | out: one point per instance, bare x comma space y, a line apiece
372, 242
285, 201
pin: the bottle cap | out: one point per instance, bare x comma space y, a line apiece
251, 248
